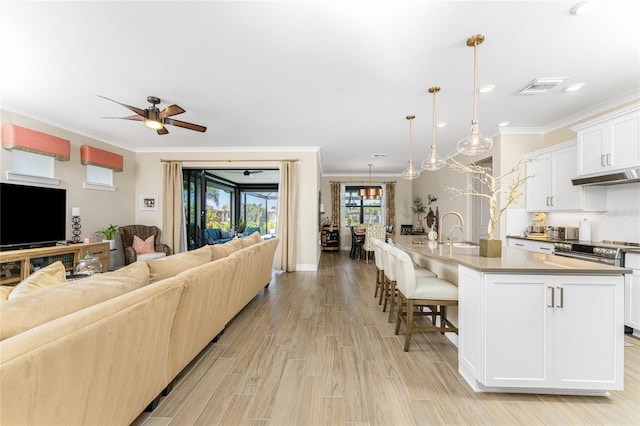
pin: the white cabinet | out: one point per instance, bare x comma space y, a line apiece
609, 143
551, 333
632, 293
531, 245
550, 189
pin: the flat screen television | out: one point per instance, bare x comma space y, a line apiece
31, 216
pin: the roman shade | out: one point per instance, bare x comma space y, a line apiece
21, 138
99, 157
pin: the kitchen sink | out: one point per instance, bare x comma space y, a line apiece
462, 244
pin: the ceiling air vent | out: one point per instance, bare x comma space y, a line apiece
378, 155
540, 85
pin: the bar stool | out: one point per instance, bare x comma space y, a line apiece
418, 291
389, 287
377, 253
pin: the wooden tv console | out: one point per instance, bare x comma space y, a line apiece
16, 265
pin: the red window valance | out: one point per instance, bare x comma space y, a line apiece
21, 138
99, 157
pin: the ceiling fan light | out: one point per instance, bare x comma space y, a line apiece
153, 124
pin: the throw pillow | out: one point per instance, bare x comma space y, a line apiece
46, 277
251, 239
144, 247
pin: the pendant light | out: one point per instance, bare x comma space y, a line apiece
410, 172
370, 193
475, 142
433, 162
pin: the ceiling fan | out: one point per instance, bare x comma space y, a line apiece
156, 119
249, 173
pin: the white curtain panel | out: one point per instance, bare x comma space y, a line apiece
287, 217
173, 230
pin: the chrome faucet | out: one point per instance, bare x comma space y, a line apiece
442, 221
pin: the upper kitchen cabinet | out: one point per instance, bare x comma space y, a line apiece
609, 143
550, 189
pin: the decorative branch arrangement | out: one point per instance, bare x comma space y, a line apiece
494, 187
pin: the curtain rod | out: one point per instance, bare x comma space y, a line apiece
162, 160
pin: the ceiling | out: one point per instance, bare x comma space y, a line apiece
338, 76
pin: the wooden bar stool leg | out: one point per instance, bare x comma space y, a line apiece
392, 299
407, 339
399, 316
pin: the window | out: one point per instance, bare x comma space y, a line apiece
218, 206
357, 210
97, 175
259, 209
30, 167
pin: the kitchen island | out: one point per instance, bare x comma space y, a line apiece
532, 322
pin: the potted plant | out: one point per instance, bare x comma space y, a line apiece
241, 226
418, 208
109, 233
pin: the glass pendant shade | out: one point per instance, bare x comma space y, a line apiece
433, 162
475, 142
410, 172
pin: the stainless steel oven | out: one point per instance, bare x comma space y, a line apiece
605, 252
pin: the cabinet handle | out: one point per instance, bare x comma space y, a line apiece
561, 304
547, 202
553, 297
551, 198
608, 159
602, 160
519, 244
544, 248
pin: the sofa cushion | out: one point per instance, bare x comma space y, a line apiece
219, 251
144, 246
23, 313
4, 292
251, 239
169, 266
48, 276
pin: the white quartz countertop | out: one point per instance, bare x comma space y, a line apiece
512, 260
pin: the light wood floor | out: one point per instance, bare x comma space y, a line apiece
316, 349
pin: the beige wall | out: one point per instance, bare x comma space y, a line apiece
403, 198
507, 151
149, 182
142, 175
98, 208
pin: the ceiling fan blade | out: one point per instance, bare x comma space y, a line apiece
171, 110
184, 124
138, 111
131, 117
163, 131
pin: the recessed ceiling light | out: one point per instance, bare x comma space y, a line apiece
486, 88
573, 87
585, 7
504, 123
441, 124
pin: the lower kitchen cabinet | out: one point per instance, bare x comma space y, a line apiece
632, 293
541, 333
531, 245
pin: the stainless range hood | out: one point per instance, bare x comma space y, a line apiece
613, 178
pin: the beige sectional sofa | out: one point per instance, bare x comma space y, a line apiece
99, 350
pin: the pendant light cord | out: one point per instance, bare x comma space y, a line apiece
475, 82
433, 127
